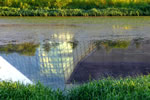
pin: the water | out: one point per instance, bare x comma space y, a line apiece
59, 51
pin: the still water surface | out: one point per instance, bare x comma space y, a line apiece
59, 51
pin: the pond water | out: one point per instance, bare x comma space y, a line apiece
60, 51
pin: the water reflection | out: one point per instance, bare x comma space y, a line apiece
10, 73
31, 29
72, 49
48, 45
110, 44
137, 42
123, 27
27, 49
51, 61
57, 60
125, 58
61, 59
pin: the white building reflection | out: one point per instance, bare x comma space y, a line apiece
54, 60
57, 63
10, 73
63, 56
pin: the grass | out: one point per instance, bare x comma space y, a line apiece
7, 11
71, 4
74, 7
17, 91
112, 89
106, 89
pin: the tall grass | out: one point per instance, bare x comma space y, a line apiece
113, 89
80, 4
17, 91
105, 89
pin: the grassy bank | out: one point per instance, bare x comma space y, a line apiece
73, 4
7, 11
105, 89
74, 7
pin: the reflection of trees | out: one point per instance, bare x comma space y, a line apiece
124, 27
120, 29
123, 44
73, 44
137, 42
58, 39
27, 49
48, 45
110, 44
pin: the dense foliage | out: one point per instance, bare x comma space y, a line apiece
104, 89
74, 7
78, 4
7, 11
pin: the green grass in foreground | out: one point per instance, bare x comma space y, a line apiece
105, 89
17, 91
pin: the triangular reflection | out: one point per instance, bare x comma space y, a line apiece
10, 73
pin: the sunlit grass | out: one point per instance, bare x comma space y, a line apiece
74, 7
105, 89
86, 4
113, 89
7, 11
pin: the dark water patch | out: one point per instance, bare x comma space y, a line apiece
93, 71
116, 58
